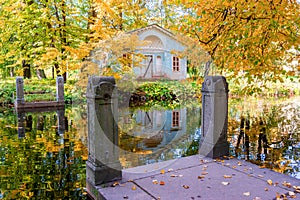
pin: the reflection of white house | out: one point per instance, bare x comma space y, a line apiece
160, 127
159, 61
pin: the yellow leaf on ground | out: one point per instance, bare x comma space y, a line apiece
289, 185
162, 171
133, 187
227, 176
270, 182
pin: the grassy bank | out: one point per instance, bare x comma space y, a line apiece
164, 93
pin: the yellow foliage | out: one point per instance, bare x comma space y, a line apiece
252, 36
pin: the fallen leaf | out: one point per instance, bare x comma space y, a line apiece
292, 194
239, 163
155, 181
186, 186
234, 167
115, 184
162, 171
204, 168
266, 189
170, 170
246, 193
227, 176
201, 177
173, 175
133, 187
289, 185
270, 182
225, 183
204, 173
262, 166
161, 183
276, 184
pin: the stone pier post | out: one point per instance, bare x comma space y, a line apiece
214, 117
60, 89
21, 124
20, 90
103, 163
61, 121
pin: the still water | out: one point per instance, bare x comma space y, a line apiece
43, 156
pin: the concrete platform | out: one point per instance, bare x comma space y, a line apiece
198, 177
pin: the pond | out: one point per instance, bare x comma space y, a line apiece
43, 156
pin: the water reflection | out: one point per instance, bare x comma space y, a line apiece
267, 134
157, 135
41, 157
45, 157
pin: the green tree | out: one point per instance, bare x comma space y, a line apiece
42, 34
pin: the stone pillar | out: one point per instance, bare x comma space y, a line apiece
60, 121
21, 124
214, 117
103, 163
60, 89
20, 90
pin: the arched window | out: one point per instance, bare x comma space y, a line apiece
155, 42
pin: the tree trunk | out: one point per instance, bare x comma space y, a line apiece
11, 72
40, 73
64, 75
26, 69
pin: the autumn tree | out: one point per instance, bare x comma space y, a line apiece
42, 34
252, 36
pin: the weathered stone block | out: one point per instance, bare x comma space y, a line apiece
214, 118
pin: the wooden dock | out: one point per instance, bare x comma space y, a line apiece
22, 105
